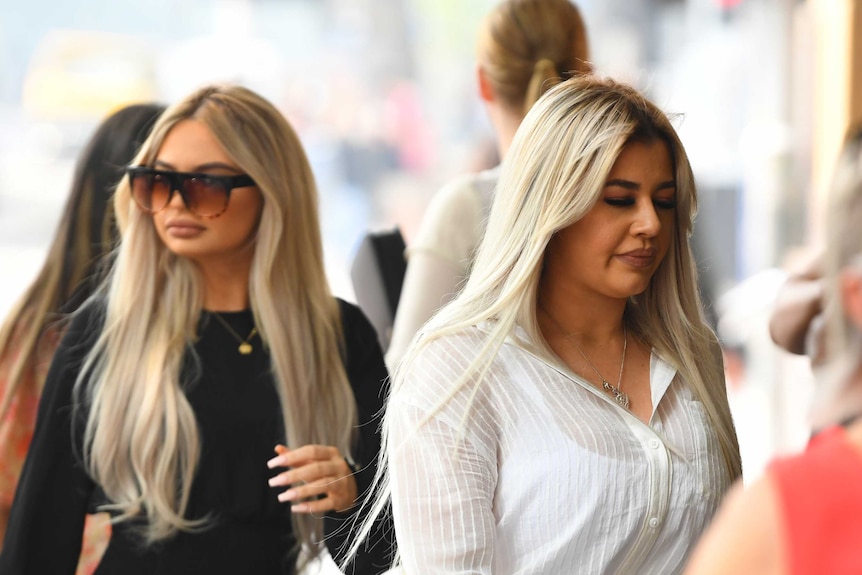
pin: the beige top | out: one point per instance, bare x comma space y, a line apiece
440, 256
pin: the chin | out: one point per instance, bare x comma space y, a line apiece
633, 291
183, 251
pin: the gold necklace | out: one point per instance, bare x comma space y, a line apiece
245, 347
614, 390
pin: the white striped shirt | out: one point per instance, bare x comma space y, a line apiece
551, 476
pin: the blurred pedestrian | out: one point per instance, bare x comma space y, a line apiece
523, 45
32, 330
804, 516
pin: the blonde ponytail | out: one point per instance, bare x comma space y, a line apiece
543, 71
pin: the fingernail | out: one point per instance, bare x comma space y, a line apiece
299, 508
272, 462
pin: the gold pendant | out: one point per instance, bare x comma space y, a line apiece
245, 348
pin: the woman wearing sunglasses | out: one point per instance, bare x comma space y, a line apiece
214, 397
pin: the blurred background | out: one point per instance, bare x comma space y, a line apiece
382, 93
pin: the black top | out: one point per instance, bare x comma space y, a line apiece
240, 422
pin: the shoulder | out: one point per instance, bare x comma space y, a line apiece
357, 331
744, 538
439, 373
363, 358
83, 329
453, 218
461, 192
352, 318
449, 354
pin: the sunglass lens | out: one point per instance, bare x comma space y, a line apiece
205, 197
150, 191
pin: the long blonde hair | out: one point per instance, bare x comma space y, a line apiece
554, 174
141, 438
524, 44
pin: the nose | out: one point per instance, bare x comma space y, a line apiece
176, 199
646, 222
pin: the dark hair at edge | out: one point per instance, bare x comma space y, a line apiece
87, 230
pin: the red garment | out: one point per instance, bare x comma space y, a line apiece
16, 433
820, 497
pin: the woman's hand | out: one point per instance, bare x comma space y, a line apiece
319, 479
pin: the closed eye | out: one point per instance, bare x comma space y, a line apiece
620, 202
664, 204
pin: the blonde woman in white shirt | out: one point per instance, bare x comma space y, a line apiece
522, 44
567, 412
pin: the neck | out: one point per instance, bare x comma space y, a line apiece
505, 122
593, 323
226, 287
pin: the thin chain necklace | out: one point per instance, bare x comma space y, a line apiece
245, 346
614, 390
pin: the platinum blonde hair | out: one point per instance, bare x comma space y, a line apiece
141, 438
553, 175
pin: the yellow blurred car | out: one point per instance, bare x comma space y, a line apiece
78, 75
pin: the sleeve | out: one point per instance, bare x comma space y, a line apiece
368, 376
47, 517
17, 424
438, 260
443, 473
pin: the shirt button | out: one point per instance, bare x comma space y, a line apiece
654, 443
653, 522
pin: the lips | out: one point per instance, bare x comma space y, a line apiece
640, 258
183, 228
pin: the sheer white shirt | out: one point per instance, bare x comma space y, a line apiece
545, 474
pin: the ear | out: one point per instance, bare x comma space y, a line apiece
486, 92
851, 295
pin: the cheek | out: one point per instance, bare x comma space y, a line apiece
665, 241
242, 229
668, 228
159, 224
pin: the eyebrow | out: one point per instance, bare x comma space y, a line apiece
200, 168
629, 185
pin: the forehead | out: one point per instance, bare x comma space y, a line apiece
190, 143
645, 159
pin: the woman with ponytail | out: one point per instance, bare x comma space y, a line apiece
523, 46
213, 396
